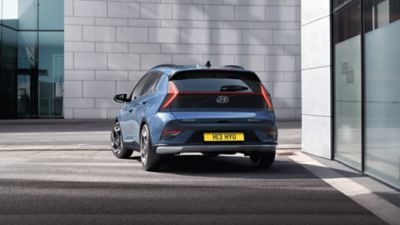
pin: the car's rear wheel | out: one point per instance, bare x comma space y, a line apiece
117, 144
148, 156
262, 160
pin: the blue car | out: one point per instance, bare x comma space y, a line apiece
178, 109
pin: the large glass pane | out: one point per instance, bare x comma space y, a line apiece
382, 82
27, 74
49, 15
8, 66
339, 3
347, 47
51, 73
31, 71
10, 13
27, 14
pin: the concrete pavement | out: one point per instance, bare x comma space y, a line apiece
62, 171
92, 134
93, 187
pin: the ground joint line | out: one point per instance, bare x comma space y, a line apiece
359, 193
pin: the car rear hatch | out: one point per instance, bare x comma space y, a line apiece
207, 103
217, 96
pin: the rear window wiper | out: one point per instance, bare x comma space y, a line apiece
233, 88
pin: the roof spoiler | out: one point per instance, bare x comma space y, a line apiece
193, 72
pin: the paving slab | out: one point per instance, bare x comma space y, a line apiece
92, 134
93, 187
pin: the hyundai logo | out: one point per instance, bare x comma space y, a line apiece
222, 99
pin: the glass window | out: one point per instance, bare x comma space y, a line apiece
382, 82
347, 76
10, 13
27, 83
8, 66
32, 56
51, 73
49, 11
339, 3
139, 87
27, 14
150, 83
216, 82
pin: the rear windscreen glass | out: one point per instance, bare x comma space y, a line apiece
217, 92
216, 82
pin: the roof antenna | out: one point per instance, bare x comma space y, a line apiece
208, 64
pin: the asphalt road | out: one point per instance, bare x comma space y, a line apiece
93, 187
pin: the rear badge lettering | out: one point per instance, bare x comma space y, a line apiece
222, 99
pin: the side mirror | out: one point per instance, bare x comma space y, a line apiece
121, 98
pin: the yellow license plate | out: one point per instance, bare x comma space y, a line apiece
231, 136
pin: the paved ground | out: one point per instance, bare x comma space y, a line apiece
92, 187
42, 183
92, 134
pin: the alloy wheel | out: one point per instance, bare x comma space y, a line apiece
144, 145
116, 139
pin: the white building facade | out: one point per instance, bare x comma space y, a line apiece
110, 44
350, 84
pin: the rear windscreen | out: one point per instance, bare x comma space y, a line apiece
217, 82
217, 91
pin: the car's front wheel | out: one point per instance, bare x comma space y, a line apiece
262, 160
117, 144
148, 156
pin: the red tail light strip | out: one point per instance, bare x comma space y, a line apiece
172, 93
266, 97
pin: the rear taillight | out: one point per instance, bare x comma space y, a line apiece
172, 93
271, 132
266, 97
169, 134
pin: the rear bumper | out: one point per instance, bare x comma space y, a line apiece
214, 148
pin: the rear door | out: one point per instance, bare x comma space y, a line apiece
128, 121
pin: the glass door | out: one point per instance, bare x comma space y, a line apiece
347, 81
382, 93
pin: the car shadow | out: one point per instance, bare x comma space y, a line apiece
230, 166
236, 166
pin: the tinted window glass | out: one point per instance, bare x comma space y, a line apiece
347, 76
339, 3
215, 82
382, 95
217, 91
139, 87
150, 83
48, 11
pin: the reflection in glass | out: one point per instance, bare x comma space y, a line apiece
382, 82
27, 14
347, 40
24, 95
10, 13
8, 66
27, 74
49, 12
31, 58
51, 73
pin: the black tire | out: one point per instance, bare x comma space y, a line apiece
210, 154
117, 145
263, 160
149, 158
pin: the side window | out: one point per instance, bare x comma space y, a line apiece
150, 83
139, 87
157, 80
